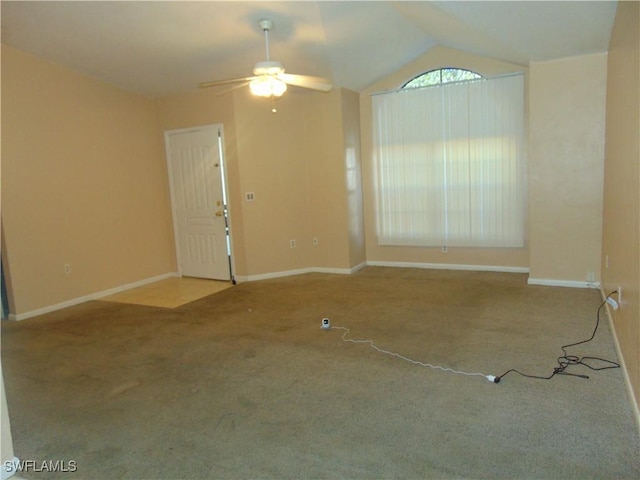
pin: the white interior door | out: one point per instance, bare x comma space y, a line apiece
200, 213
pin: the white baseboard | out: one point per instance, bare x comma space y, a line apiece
299, 271
140, 283
91, 296
449, 266
549, 282
489, 268
339, 271
9, 468
270, 275
625, 372
358, 267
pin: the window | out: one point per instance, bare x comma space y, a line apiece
442, 75
449, 163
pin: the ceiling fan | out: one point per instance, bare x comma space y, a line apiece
269, 79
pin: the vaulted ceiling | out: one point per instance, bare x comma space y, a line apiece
160, 48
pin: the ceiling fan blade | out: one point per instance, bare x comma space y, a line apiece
232, 88
306, 81
215, 83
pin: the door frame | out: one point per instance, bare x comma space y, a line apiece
225, 192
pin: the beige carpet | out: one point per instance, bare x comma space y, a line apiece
246, 384
169, 293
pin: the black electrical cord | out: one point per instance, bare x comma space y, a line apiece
566, 360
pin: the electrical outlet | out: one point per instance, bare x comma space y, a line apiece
67, 268
445, 249
249, 196
591, 277
292, 243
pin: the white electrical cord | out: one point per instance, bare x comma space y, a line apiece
326, 326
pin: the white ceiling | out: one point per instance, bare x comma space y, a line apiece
164, 47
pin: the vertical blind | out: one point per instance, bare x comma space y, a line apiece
449, 164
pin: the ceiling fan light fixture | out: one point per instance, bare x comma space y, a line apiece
267, 86
268, 67
269, 79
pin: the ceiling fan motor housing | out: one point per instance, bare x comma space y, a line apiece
265, 24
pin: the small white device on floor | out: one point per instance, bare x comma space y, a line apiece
326, 324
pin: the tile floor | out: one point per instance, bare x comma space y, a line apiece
169, 293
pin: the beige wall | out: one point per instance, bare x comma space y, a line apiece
327, 207
335, 186
84, 183
566, 161
439, 57
273, 164
294, 163
353, 177
621, 235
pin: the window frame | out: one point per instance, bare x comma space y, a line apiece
407, 86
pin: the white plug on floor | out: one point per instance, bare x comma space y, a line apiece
326, 324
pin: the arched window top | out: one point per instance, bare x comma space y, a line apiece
440, 76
